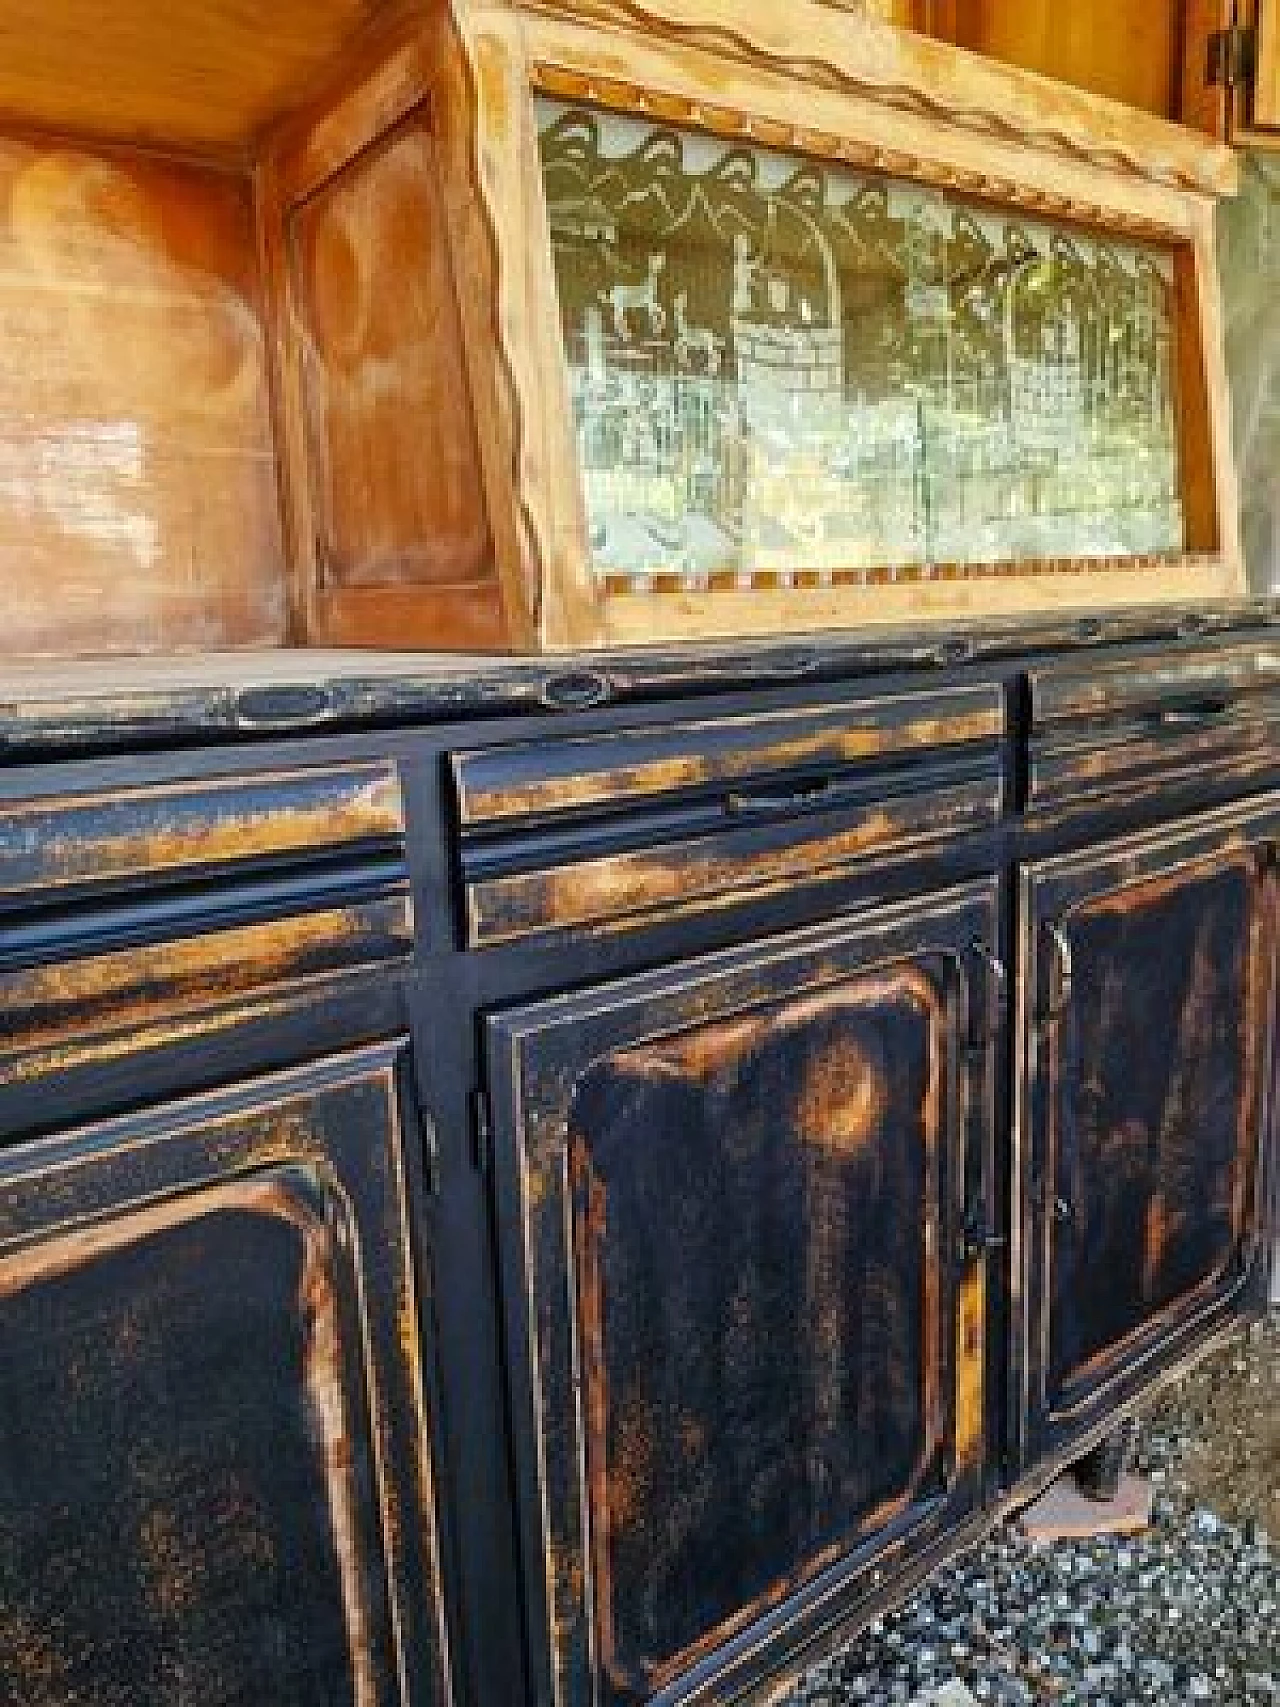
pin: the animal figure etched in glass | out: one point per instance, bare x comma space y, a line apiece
781, 368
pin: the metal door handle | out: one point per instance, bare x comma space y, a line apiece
1062, 980
998, 992
1192, 716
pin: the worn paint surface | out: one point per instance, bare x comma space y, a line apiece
709, 871
501, 784
1153, 1143
1141, 759
153, 832
741, 1195
59, 1012
1150, 1004
213, 1484
755, 1216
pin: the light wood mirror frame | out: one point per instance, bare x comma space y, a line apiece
813, 79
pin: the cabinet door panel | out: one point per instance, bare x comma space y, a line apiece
213, 1477
734, 1194
1149, 1056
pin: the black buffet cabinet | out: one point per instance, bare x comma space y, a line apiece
577, 1185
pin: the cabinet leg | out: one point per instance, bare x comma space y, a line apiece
1098, 1473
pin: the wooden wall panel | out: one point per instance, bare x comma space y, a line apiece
1127, 49
399, 523
138, 498
192, 73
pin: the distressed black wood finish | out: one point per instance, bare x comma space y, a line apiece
736, 1192
1150, 984
604, 1074
93, 708
610, 832
1131, 730
214, 1481
498, 785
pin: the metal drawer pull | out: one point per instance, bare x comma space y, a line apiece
1190, 716
798, 799
1062, 982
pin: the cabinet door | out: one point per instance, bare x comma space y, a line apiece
1231, 70
748, 1342
214, 1478
1150, 992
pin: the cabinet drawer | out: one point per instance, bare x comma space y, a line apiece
174, 911
1138, 726
610, 830
231, 824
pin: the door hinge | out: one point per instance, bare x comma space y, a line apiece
481, 1131
1231, 57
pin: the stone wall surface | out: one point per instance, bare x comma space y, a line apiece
1250, 251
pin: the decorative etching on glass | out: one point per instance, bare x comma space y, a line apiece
780, 367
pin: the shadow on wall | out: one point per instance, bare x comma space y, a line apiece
1250, 250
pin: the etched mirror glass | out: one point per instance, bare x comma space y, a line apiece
781, 367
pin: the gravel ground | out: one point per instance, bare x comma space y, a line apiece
1187, 1612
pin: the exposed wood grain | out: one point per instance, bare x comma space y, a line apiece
389, 530
1126, 50
138, 497
499, 785
78, 841
468, 617
194, 73
1204, 105
622, 890
465, 137
1265, 109
916, 105
542, 472
818, 45
632, 619
393, 455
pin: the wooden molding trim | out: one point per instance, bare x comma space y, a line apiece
1005, 191
900, 69
478, 102
876, 97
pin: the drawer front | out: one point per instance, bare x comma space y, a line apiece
237, 824
1140, 726
504, 785
163, 914
616, 830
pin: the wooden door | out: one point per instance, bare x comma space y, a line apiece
1150, 991
214, 1479
747, 1339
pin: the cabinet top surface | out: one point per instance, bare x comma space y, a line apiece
77, 706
